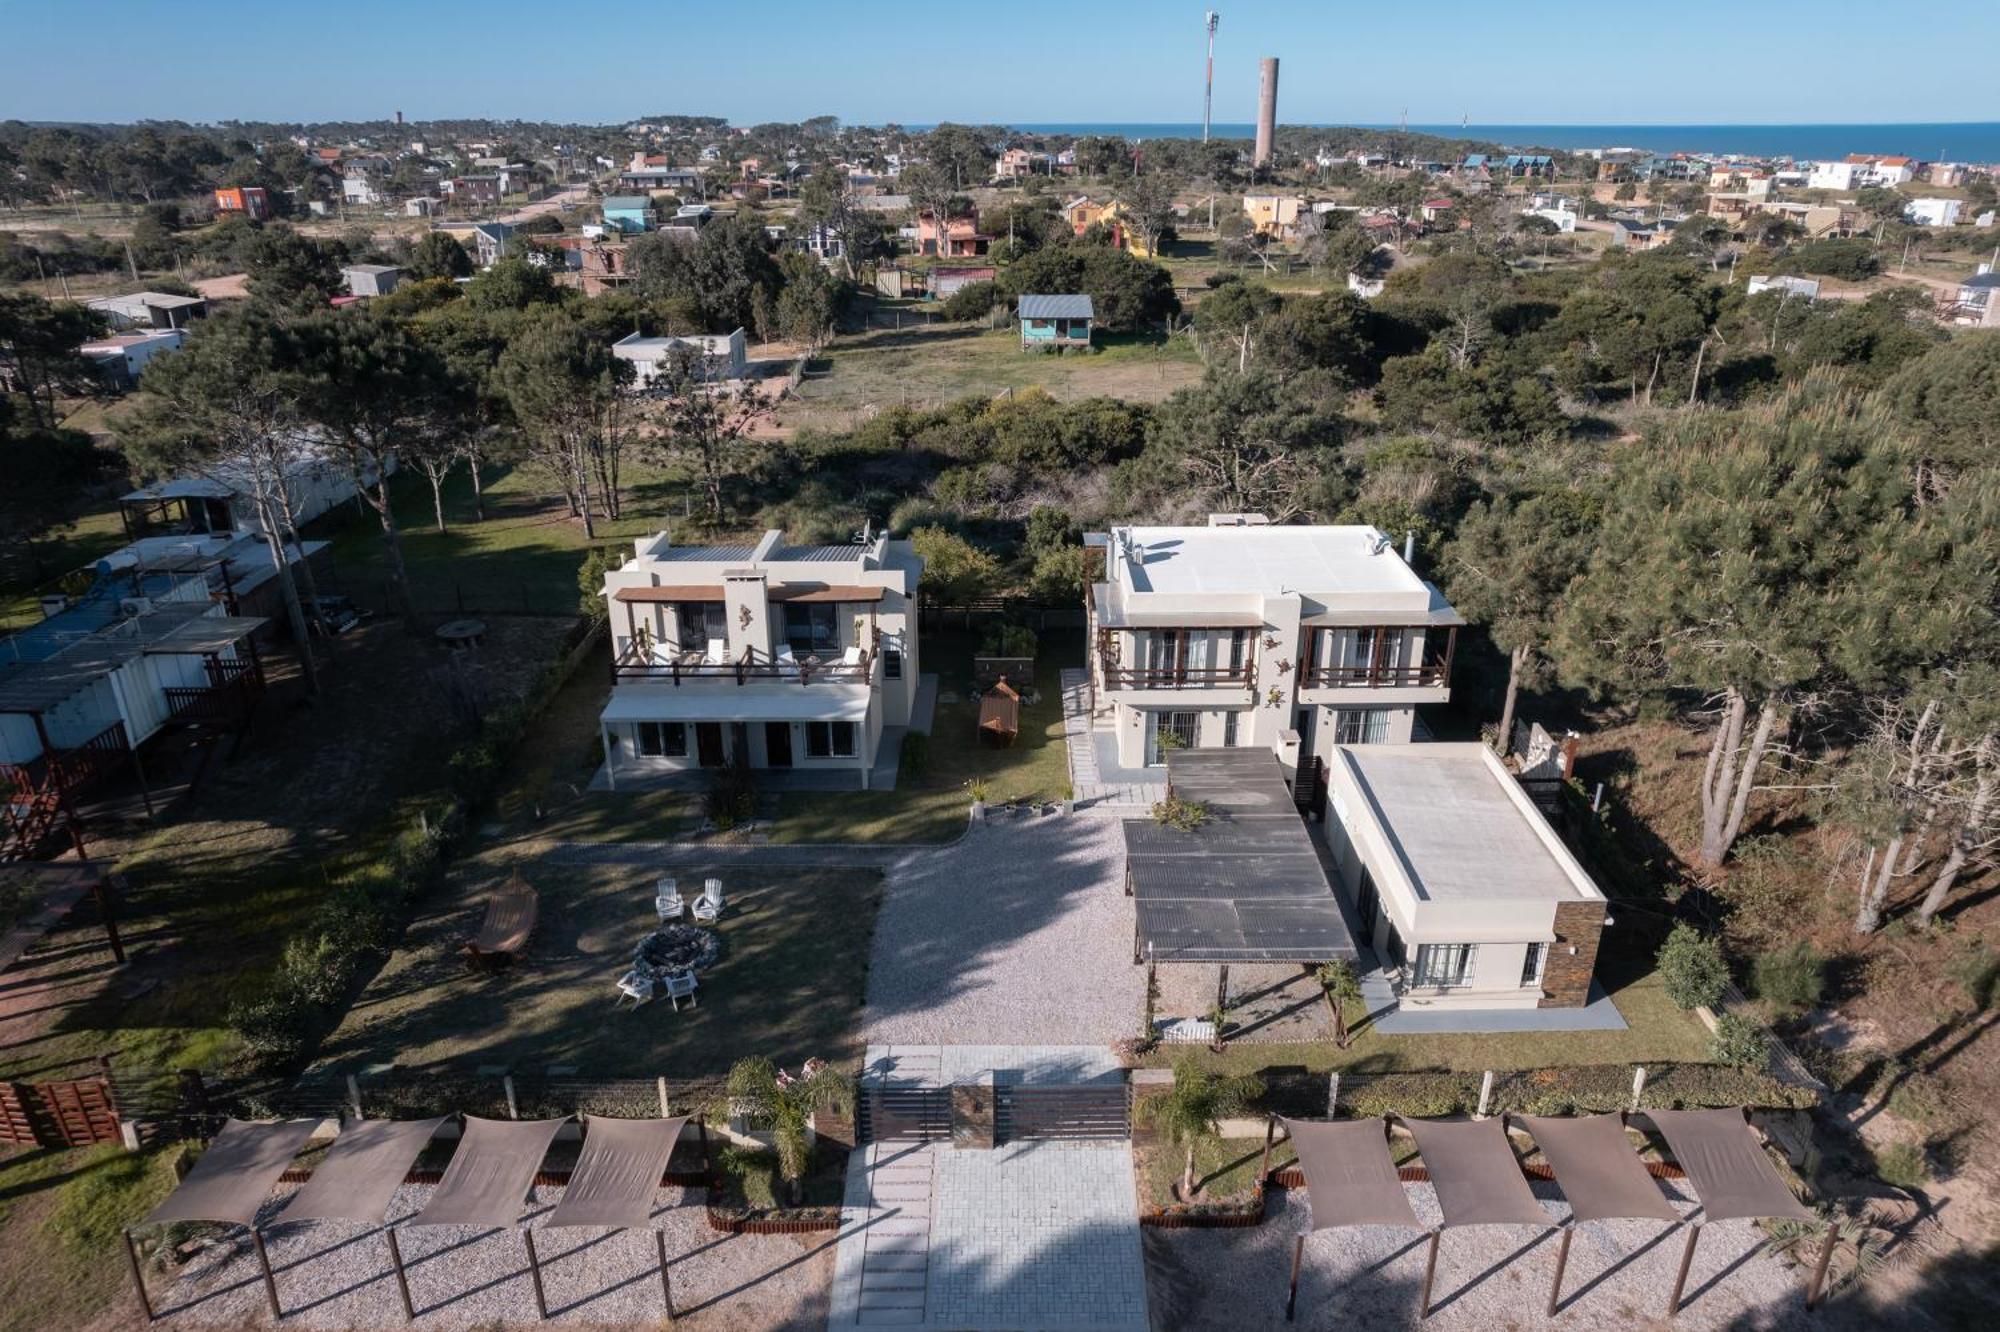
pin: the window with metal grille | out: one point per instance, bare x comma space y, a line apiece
1361, 726
1229, 730
1531, 966
1444, 965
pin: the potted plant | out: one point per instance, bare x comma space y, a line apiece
979, 790
1192, 1113
787, 1103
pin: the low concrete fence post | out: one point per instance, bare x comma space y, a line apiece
1333, 1095
665, 1111
1638, 1085
1485, 1095
507, 1085
354, 1095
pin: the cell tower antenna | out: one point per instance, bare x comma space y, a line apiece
1208, 86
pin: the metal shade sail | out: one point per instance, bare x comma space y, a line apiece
229, 1185
1732, 1177
615, 1178
1600, 1176
1350, 1181
1478, 1181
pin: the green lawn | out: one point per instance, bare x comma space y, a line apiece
789, 983
61, 1213
930, 365
932, 806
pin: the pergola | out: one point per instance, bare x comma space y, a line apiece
228, 1186
1478, 1181
487, 1184
614, 1180
1351, 1180
612, 1185
1731, 1178
1600, 1176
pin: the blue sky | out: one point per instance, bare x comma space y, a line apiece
1529, 61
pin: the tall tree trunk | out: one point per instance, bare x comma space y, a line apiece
1968, 836
1515, 661
1920, 762
392, 542
289, 513
478, 487
437, 497
1731, 774
1187, 1172
294, 613
1875, 887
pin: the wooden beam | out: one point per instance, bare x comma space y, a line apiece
1687, 1261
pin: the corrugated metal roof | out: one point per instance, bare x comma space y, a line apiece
817, 554
703, 554
1057, 307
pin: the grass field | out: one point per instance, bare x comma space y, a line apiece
863, 374
789, 983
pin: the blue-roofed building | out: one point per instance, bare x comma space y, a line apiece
1056, 321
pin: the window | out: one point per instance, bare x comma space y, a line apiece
1361, 726
1531, 967
1444, 965
1229, 730
830, 739
812, 626
663, 739
1236, 639
892, 663
701, 621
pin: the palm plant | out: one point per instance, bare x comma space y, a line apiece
786, 1102
1342, 987
1192, 1113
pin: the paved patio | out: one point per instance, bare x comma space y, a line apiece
1018, 934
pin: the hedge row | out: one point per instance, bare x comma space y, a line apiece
1581, 1089
360, 920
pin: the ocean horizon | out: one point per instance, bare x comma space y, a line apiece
1975, 141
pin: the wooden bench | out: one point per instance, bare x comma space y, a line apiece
510, 920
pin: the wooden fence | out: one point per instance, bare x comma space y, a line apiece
72, 1113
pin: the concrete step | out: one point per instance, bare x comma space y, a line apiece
892, 1299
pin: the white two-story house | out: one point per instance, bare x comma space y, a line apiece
781, 657
1231, 634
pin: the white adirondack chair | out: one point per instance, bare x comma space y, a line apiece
668, 900
681, 987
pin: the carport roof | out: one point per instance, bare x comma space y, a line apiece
1245, 886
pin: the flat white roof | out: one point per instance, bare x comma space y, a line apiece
1270, 560
1462, 833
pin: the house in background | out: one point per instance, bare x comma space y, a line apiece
1459, 884
1933, 212
371, 279
946, 283
1842, 176
1082, 213
487, 242
253, 201
1228, 635
1791, 286
628, 212
122, 357
1640, 236
716, 356
1055, 321
801, 661
1978, 301
144, 310
483, 188
960, 238
1273, 215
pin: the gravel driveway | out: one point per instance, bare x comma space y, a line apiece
1019, 934
1488, 1277
333, 1275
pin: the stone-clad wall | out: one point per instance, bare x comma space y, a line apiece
1566, 978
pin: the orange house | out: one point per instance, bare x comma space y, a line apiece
250, 200
962, 238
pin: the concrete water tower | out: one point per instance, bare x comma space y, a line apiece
1267, 110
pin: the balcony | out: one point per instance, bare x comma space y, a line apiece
643, 663
1432, 674
1177, 677
1381, 644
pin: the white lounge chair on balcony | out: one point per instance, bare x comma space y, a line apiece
718, 651
708, 907
851, 657
680, 987
668, 900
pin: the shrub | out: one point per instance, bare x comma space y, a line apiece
916, 755
1007, 640
1174, 812
590, 582
731, 797
1902, 1165
1691, 965
1977, 972
1790, 979
971, 301
1739, 1042
276, 1027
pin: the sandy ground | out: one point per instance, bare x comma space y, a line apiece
1488, 1277
336, 1275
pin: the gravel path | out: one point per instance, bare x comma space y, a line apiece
1620, 1273
1019, 934
334, 1275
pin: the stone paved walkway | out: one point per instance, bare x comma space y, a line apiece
1086, 773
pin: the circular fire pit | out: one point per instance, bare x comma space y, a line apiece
673, 949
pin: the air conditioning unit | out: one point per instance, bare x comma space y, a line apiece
132, 606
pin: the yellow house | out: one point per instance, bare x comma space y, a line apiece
1082, 213
1274, 215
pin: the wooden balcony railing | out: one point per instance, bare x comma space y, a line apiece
1429, 675
1177, 677
638, 663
